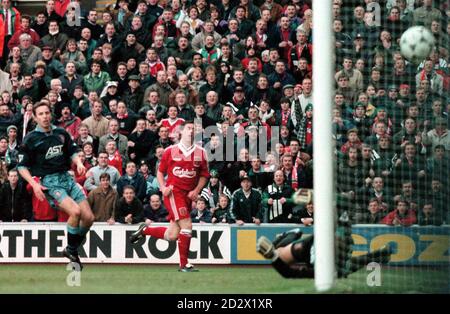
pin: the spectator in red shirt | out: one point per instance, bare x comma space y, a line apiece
401, 216
24, 29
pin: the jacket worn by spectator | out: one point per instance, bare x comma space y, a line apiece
102, 204
15, 204
407, 219
137, 181
245, 208
92, 182
142, 143
57, 41
121, 143
204, 216
156, 215
278, 212
69, 84
123, 209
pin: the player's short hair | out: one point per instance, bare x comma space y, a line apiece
41, 104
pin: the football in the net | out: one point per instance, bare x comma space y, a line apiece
416, 44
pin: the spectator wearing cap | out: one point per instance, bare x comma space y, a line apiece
288, 92
212, 191
54, 67
12, 153
439, 135
133, 95
25, 21
40, 73
359, 48
110, 92
246, 203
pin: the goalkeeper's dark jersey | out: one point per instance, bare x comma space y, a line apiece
46, 153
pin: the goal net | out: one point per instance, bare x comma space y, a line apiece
391, 142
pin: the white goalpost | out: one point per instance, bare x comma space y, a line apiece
323, 70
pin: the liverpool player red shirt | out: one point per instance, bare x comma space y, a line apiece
184, 166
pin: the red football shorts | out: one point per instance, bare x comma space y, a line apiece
178, 204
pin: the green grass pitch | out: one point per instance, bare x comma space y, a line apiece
166, 279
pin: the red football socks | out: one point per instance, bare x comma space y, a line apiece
157, 232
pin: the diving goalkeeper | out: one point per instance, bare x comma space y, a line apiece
293, 255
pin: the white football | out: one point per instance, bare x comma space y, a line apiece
416, 44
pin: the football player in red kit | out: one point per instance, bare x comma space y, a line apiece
186, 167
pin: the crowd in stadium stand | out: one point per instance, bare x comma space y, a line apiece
122, 81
